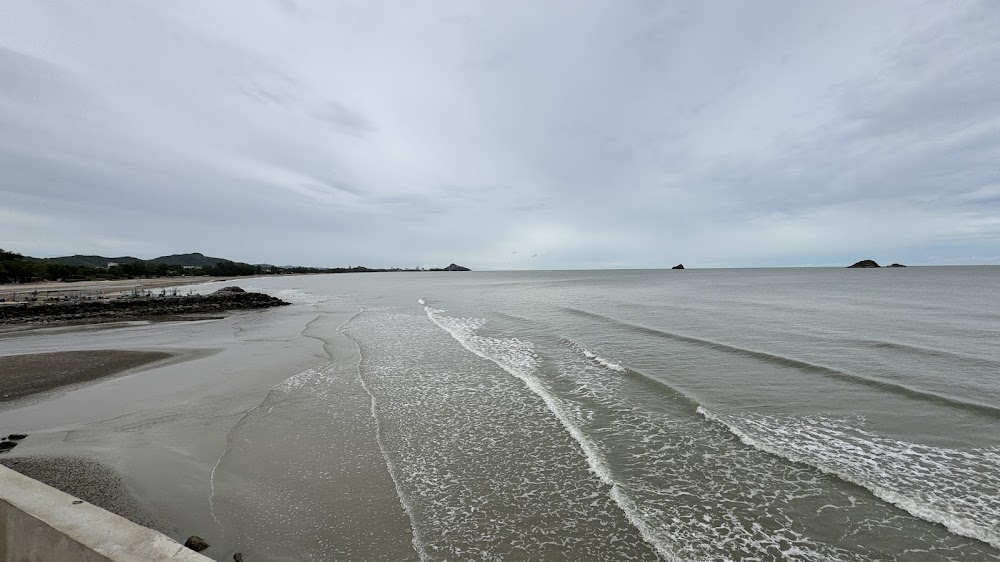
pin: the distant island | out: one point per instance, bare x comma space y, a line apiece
17, 268
451, 267
678, 266
872, 264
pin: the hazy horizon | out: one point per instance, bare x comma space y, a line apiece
561, 135
279, 263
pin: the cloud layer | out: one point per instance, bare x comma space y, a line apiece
503, 134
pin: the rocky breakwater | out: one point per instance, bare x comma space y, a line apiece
142, 308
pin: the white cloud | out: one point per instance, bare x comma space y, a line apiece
587, 134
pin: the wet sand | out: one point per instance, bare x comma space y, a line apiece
168, 433
24, 375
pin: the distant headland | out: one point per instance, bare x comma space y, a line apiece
871, 264
17, 268
451, 267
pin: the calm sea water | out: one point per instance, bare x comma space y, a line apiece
803, 414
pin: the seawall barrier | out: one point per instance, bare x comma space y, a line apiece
39, 523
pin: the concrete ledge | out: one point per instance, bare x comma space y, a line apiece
40, 523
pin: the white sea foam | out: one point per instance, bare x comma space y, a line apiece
519, 359
691, 489
298, 296
418, 544
663, 491
668, 467
959, 489
487, 469
601, 360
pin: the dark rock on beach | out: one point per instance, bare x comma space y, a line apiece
196, 543
238, 557
230, 298
233, 289
7, 445
17, 436
864, 264
678, 266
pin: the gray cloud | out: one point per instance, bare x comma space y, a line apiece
576, 134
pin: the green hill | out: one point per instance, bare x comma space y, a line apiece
86, 261
196, 259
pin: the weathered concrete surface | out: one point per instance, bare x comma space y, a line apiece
40, 523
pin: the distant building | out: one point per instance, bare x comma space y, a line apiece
191, 267
112, 264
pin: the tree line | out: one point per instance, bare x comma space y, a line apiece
15, 268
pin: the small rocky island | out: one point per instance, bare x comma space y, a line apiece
451, 267
144, 307
871, 264
678, 266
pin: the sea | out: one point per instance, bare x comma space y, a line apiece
807, 414
722, 414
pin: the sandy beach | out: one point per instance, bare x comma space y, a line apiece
186, 427
23, 375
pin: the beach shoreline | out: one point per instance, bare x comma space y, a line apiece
166, 410
32, 378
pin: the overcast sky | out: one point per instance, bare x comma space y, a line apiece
503, 135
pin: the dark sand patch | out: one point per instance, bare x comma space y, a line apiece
24, 375
89, 481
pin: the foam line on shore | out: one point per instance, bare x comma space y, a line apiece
418, 542
952, 515
598, 466
604, 362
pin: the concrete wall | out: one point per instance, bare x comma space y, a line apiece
40, 523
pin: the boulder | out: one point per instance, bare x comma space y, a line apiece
864, 264
7, 445
238, 557
233, 289
196, 543
17, 436
678, 266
